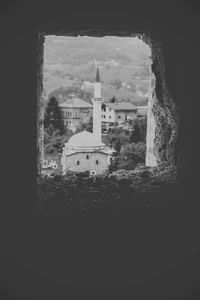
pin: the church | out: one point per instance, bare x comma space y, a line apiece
85, 151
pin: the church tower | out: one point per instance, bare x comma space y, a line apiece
97, 103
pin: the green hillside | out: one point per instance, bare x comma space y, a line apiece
71, 59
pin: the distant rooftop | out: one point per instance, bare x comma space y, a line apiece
75, 103
121, 106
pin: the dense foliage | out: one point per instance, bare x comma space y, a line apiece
54, 140
53, 117
129, 157
55, 134
129, 145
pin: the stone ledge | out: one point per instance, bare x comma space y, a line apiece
142, 187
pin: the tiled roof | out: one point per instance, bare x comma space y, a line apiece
121, 106
76, 103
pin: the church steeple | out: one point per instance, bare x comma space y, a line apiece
97, 75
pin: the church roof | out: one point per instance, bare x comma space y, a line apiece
75, 103
121, 106
83, 140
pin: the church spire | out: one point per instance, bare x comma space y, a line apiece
97, 75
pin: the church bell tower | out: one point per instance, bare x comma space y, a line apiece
97, 103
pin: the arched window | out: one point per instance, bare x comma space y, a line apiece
87, 156
78, 162
97, 162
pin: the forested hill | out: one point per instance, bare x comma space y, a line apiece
68, 60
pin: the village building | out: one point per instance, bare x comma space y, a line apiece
117, 113
76, 112
85, 151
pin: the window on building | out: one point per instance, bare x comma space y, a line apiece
104, 116
78, 162
97, 162
119, 117
87, 156
109, 117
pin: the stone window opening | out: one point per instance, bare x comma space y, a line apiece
97, 162
87, 157
162, 134
78, 162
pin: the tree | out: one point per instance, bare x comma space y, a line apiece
53, 117
139, 132
54, 141
130, 156
113, 99
135, 136
117, 137
86, 126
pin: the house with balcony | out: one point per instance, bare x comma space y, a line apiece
119, 114
76, 112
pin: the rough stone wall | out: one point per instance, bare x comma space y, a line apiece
40, 102
164, 109
169, 97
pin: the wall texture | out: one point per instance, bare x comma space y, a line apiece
87, 164
168, 50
